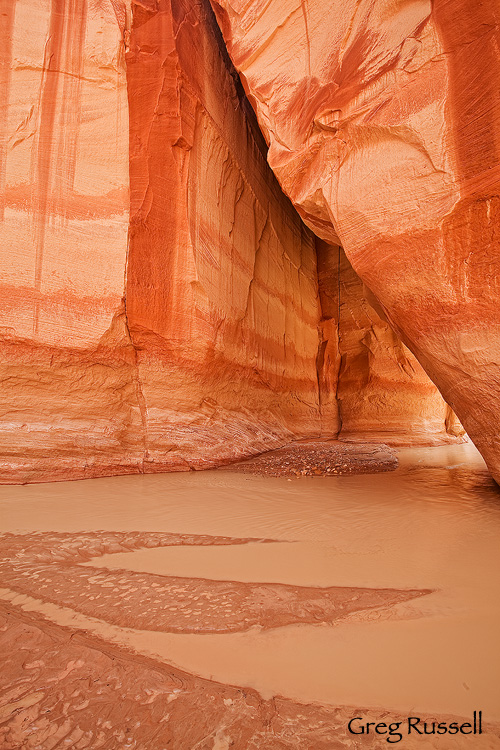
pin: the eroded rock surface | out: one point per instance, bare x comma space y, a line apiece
382, 389
200, 321
192, 343
383, 125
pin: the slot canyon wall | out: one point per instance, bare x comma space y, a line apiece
383, 124
222, 300
382, 390
164, 306
68, 400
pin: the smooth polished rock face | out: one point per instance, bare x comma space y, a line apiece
383, 125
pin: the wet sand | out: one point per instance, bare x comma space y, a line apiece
65, 695
290, 606
47, 566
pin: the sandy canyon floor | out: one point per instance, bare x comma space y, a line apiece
216, 610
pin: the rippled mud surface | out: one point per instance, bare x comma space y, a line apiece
220, 610
48, 566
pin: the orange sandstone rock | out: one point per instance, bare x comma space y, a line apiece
382, 389
222, 299
197, 322
63, 171
383, 126
194, 340
68, 404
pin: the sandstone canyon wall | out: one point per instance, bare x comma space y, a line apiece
381, 390
66, 400
195, 340
383, 121
178, 323
222, 300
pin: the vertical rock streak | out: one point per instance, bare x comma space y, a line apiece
7, 15
74, 37
54, 150
154, 90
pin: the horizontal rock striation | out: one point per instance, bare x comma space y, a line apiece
66, 401
193, 340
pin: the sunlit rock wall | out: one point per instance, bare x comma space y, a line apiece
383, 120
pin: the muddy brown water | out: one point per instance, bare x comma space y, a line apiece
434, 523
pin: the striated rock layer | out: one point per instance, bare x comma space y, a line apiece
193, 340
222, 301
164, 307
383, 125
382, 389
66, 399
